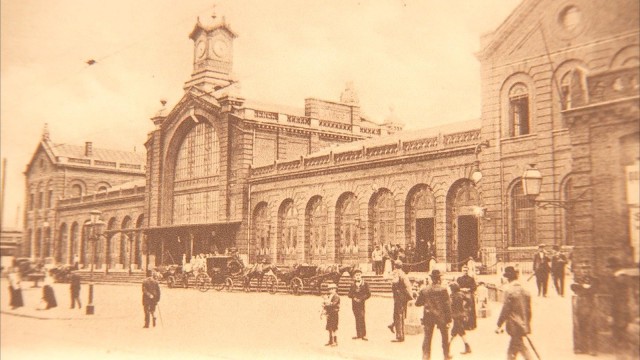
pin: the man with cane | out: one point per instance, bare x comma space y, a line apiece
516, 313
150, 298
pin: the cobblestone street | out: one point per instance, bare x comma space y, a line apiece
238, 325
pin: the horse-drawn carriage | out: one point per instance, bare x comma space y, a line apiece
177, 274
308, 276
219, 273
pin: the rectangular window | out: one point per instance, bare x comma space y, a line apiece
519, 115
40, 200
523, 221
31, 201
49, 199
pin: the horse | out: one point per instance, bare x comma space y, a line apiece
333, 273
256, 271
61, 273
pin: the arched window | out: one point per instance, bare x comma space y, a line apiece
76, 190
288, 225
383, 218
316, 236
261, 233
519, 122
523, 220
197, 167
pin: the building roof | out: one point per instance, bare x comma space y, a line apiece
406, 135
76, 151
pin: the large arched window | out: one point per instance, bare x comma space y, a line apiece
197, 167
288, 225
523, 218
383, 218
62, 244
261, 234
347, 229
316, 234
74, 248
519, 122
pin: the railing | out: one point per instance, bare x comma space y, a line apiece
335, 125
299, 119
104, 195
416, 146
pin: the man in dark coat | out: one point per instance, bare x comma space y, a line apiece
402, 293
585, 334
150, 298
541, 268
437, 312
459, 313
468, 287
74, 289
558, 264
359, 293
516, 313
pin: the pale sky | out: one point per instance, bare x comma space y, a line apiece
417, 56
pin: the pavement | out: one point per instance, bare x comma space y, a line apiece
238, 325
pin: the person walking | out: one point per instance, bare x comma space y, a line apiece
401, 287
359, 293
459, 313
468, 287
437, 312
15, 290
516, 314
586, 332
150, 298
541, 270
331, 307
48, 295
74, 289
558, 264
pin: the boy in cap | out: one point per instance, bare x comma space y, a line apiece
437, 312
516, 313
459, 313
331, 307
359, 293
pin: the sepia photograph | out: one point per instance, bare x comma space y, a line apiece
298, 179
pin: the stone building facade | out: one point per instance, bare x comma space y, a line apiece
63, 183
324, 184
534, 70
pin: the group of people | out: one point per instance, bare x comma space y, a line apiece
48, 300
440, 308
383, 257
545, 264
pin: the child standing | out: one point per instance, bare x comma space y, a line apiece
458, 314
332, 307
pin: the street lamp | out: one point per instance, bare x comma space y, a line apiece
96, 227
532, 183
476, 175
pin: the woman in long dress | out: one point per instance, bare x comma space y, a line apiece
15, 290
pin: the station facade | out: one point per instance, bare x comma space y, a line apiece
324, 184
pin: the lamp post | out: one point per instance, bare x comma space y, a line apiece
532, 183
95, 223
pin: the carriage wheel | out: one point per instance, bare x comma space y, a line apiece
171, 282
234, 267
202, 282
228, 283
272, 284
296, 285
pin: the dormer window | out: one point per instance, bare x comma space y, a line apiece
519, 122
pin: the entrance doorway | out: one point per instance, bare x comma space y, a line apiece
467, 238
425, 243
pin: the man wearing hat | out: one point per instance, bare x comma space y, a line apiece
359, 293
516, 313
558, 263
150, 298
437, 312
541, 268
402, 293
376, 257
331, 307
468, 288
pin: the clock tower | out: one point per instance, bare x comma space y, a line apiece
212, 55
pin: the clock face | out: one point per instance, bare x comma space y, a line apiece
220, 48
201, 48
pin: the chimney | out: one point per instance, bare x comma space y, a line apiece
88, 149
